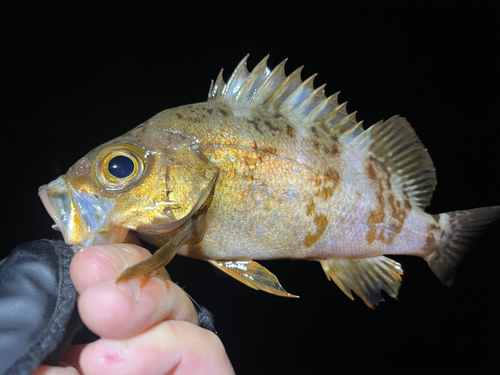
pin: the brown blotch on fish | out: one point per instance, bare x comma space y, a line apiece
223, 112
277, 115
271, 126
316, 145
407, 204
332, 174
388, 207
270, 149
321, 221
376, 217
179, 116
209, 110
317, 180
290, 131
325, 193
255, 125
370, 172
434, 227
371, 236
311, 208
430, 244
332, 150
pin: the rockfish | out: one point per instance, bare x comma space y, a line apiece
267, 168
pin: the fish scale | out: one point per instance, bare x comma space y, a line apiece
267, 168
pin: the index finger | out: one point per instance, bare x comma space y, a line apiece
118, 311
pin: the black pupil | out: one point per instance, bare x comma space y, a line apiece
121, 166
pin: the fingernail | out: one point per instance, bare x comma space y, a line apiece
131, 288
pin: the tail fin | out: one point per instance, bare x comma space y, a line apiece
458, 230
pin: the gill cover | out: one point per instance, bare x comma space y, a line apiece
191, 177
191, 180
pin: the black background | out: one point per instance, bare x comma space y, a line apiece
71, 79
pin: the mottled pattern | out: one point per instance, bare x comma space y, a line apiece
389, 213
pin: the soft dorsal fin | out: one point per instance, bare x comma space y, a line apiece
289, 96
395, 144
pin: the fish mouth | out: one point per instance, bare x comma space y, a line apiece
79, 217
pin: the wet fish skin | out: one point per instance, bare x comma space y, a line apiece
269, 168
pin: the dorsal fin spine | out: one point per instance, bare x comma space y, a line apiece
314, 99
218, 86
351, 132
346, 126
234, 83
269, 85
340, 109
283, 90
293, 101
321, 111
252, 83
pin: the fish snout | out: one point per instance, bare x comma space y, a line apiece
78, 216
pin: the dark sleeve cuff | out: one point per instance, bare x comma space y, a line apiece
37, 303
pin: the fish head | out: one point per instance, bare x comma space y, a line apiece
130, 183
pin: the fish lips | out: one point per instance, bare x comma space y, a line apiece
78, 216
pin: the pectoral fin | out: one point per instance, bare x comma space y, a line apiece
162, 256
365, 277
253, 275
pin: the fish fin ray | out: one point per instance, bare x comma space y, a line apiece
289, 96
162, 256
216, 88
231, 90
252, 83
396, 146
253, 275
365, 277
459, 228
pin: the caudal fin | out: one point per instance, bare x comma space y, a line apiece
457, 231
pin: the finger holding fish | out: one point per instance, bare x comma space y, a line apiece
168, 347
125, 309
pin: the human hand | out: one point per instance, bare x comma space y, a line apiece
144, 329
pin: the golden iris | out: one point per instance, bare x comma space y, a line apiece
118, 167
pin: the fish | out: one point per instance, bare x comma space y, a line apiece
268, 167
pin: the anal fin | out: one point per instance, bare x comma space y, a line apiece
365, 277
253, 275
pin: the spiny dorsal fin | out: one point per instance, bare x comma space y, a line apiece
289, 96
393, 142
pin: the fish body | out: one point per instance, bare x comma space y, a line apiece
267, 168
284, 192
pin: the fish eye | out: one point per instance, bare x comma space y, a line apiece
118, 167
121, 166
